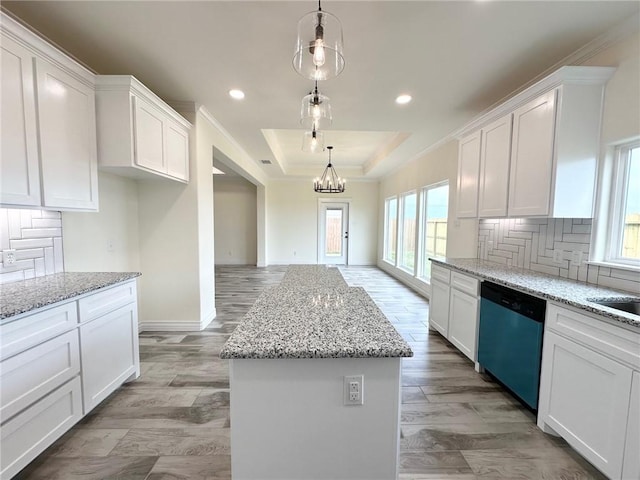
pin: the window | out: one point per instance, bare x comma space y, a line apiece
390, 229
435, 207
624, 241
408, 211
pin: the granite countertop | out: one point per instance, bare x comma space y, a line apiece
313, 276
570, 292
27, 295
290, 322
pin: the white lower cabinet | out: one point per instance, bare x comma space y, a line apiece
58, 360
29, 433
586, 389
453, 308
30, 375
631, 462
109, 347
439, 307
463, 322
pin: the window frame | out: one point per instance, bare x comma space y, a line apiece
385, 248
400, 233
617, 205
420, 273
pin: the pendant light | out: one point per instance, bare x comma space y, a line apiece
316, 110
329, 182
312, 141
318, 54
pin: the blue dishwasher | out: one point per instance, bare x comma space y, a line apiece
510, 339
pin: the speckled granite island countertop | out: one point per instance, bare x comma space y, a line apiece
314, 323
570, 292
313, 276
27, 295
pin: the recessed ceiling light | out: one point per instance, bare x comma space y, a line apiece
403, 99
236, 94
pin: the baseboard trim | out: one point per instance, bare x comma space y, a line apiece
417, 286
205, 322
162, 326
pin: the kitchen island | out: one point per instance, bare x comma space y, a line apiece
288, 362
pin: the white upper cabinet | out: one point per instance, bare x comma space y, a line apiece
494, 168
139, 135
468, 168
49, 158
548, 161
532, 157
66, 110
19, 161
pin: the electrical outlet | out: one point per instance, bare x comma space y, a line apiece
353, 390
557, 256
8, 257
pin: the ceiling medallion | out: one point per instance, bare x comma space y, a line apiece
329, 182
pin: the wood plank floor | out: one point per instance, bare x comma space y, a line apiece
173, 422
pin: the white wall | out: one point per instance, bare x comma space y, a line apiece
107, 240
292, 222
621, 116
436, 166
235, 220
176, 243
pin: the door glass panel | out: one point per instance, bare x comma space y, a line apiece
333, 232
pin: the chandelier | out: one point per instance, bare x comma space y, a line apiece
329, 182
318, 54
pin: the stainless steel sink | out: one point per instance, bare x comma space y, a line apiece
630, 306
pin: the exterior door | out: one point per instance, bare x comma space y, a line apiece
333, 241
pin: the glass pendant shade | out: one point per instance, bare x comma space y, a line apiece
316, 111
329, 182
318, 54
313, 142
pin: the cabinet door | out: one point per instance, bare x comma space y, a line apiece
532, 157
463, 322
439, 307
148, 136
468, 170
177, 150
584, 397
631, 466
109, 353
67, 130
20, 179
494, 168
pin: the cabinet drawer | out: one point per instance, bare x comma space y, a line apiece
106, 301
28, 434
440, 273
465, 283
27, 331
30, 375
616, 342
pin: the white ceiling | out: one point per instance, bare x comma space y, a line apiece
455, 58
